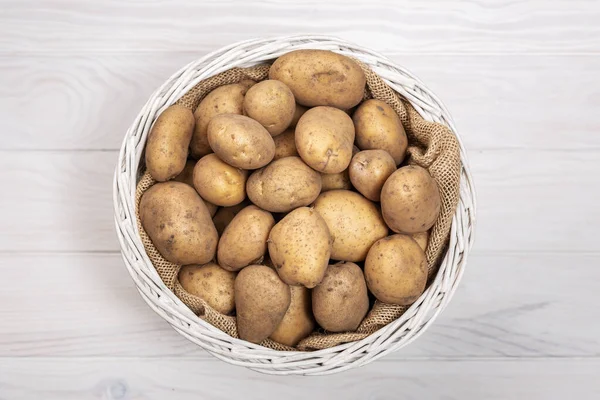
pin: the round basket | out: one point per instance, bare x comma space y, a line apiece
235, 351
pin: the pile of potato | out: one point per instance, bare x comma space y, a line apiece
278, 198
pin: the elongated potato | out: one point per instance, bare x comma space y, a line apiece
272, 104
187, 176
298, 322
368, 170
285, 145
219, 182
211, 283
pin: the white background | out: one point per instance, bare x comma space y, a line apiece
522, 79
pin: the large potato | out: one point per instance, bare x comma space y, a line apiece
353, 221
379, 127
285, 145
396, 270
320, 78
341, 301
284, 185
272, 104
187, 176
178, 223
368, 170
298, 322
324, 139
244, 240
240, 141
410, 200
219, 182
168, 142
225, 215
300, 246
211, 283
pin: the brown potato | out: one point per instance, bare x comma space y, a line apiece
298, 112
224, 216
341, 301
211, 283
369, 169
396, 270
244, 240
261, 300
178, 223
324, 139
187, 176
285, 145
320, 78
410, 200
272, 104
341, 180
219, 182
379, 127
298, 322
354, 223
422, 238
167, 145
284, 185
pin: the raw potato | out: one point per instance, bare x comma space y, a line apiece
354, 223
240, 141
272, 104
178, 223
341, 301
369, 169
224, 216
320, 78
298, 112
341, 180
422, 238
410, 200
284, 185
211, 283
187, 176
300, 246
219, 182
168, 142
324, 139
262, 300
244, 241
298, 322
396, 270
379, 127
285, 145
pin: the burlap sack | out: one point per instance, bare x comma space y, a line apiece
431, 145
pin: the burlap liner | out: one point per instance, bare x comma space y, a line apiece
431, 145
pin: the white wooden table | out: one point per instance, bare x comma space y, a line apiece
522, 79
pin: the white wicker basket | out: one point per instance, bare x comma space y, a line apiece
235, 351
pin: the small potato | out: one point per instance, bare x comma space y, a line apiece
300, 246
369, 169
298, 322
240, 141
341, 301
410, 200
396, 270
219, 182
244, 240
298, 112
341, 180
324, 139
272, 104
187, 176
422, 238
178, 223
224, 216
284, 185
285, 145
211, 283
379, 127
168, 142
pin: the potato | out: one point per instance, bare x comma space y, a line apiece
244, 240
285, 145
324, 139
261, 300
168, 142
422, 238
379, 127
187, 176
341, 180
368, 170
353, 221
300, 246
298, 322
298, 112
178, 223
396, 270
219, 182
341, 301
211, 283
284, 185
224, 216
272, 104
240, 141
320, 78
410, 200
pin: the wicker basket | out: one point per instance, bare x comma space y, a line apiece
235, 351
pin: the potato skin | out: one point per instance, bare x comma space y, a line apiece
284, 185
211, 283
178, 223
320, 78
410, 200
422, 239
219, 182
298, 112
187, 176
285, 145
353, 221
244, 240
368, 170
168, 142
298, 322
341, 180
272, 104
224, 215
300, 246
396, 270
324, 139
341, 301
379, 127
